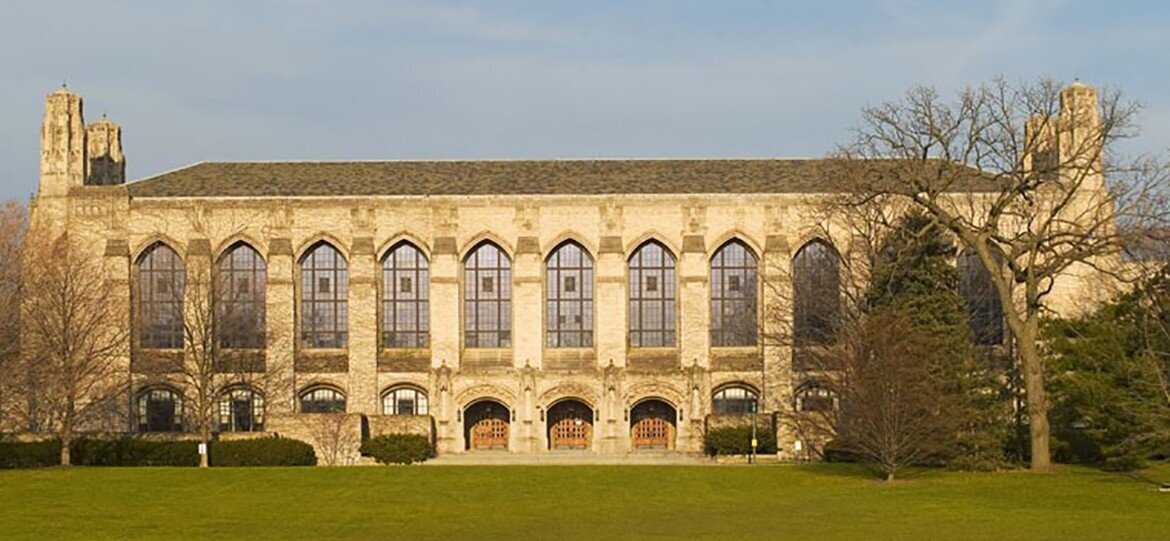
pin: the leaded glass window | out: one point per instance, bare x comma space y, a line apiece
322, 400
734, 400
405, 401
733, 295
487, 298
652, 296
324, 298
241, 410
160, 410
569, 308
984, 309
816, 281
405, 300
241, 286
162, 278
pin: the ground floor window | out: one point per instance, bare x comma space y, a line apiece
405, 401
734, 400
241, 410
813, 396
322, 400
160, 410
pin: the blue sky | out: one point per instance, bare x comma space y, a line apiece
266, 80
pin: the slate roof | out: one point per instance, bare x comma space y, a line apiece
488, 177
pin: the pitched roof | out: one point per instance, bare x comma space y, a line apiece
488, 177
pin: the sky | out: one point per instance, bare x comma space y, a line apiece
336, 80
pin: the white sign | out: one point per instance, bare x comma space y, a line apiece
202, 448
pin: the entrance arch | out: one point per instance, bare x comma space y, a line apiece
652, 425
569, 425
485, 426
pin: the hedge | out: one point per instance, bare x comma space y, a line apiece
398, 448
737, 440
263, 452
139, 452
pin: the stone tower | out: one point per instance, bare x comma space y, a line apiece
1070, 142
62, 144
105, 164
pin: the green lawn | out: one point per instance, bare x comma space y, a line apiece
576, 502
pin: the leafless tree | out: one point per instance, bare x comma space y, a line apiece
333, 435
1027, 177
72, 335
13, 401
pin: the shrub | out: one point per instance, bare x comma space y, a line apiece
398, 448
737, 440
39, 454
263, 452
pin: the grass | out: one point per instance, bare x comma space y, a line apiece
576, 502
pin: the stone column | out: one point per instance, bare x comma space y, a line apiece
777, 324
610, 304
444, 300
116, 262
363, 328
527, 305
693, 305
280, 303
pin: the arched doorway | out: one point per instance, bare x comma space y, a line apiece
652, 424
485, 426
570, 425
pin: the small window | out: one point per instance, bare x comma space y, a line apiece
323, 285
814, 397
160, 410
241, 410
651, 283
488, 284
405, 285
405, 401
734, 400
570, 284
733, 283
322, 400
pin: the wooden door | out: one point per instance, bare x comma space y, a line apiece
571, 432
489, 433
652, 432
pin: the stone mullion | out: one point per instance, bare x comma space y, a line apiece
776, 319
446, 323
610, 304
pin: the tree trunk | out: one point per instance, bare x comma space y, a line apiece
66, 443
1037, 397
206, 441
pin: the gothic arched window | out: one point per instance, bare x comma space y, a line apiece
324, 298
404, 401
569, 271
160, 409
322, 400
487, 298
984, 309
241, 409
814, 396
652, 296
816, 283
405, 302
241, 286
734, 400
733, 295
162, 278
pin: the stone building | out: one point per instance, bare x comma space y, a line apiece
608, 305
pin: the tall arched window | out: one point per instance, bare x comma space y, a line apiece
322, 400
487, 298
160, 410
733, 295
734, 400
241, 410
162, 278
324, 298
404, 401
241, 285
405, 309
569, 273
652, 296
984, 309
816, 282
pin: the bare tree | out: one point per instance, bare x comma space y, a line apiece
1025, 177
71, 335
332, 435
13, 222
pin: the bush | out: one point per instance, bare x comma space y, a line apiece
263, 452
398, 448
135, 452
737, 440
39, 454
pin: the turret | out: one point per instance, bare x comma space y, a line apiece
1069, 144
62, 144
105, 164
